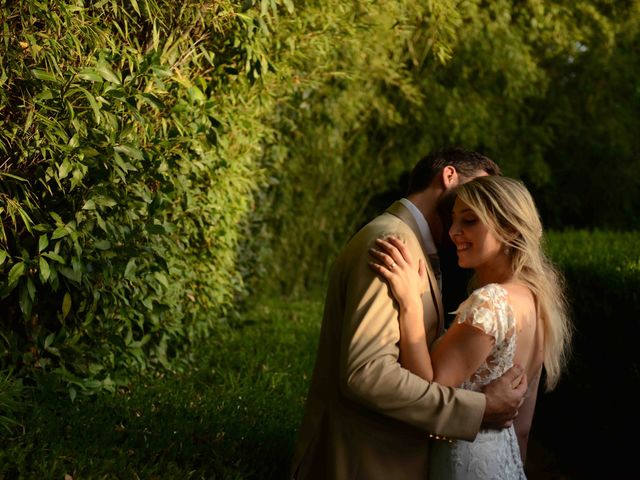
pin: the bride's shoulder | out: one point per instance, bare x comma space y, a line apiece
490, 291
519, 295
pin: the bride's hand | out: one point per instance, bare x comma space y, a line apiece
406, 277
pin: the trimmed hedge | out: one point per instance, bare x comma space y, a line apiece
593, 409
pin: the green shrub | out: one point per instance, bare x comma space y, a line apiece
602, 271
129, 162
162, 161
159, 158
11, 402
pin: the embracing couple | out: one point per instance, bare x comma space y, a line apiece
394, 395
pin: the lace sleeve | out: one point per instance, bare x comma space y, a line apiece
487, 309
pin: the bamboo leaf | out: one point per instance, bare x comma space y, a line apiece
43, 75
130, 268
45, 271
43, 242
15, 273
90, 74
25, 301
60, 232
103, 244
162, 278
130, 151
54, 256
105, 72
66, 305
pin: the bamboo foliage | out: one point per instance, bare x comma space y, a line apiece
162, 161
127, 162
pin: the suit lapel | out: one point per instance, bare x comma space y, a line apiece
400, 211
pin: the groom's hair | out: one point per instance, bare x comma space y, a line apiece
466, 162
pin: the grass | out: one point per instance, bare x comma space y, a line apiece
232, 416
235, 413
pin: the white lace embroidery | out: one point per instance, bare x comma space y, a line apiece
488, 309
494, 454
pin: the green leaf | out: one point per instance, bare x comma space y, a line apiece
60, 232
196, 95
3, 256
64, 168
89, 74
31, 288
71, 274
45, 271
94, 105
66, 305
130, 151
16, 272
130, 268
43, 242
89, 205
104, 201
156, 229
104, 70
57, 218
103, 244
162, 278
72, 394
54, 256
153, 101
44, 95
88, 151
43, 75
25, 301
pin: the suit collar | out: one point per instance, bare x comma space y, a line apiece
399, 210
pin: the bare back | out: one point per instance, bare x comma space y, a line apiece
529, 329
529, 353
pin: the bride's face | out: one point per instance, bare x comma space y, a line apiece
475, 243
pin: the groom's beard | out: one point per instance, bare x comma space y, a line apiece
444, 209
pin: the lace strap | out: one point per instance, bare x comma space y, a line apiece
487, 308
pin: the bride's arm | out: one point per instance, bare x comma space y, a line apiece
414, 352
461, 350
406, 281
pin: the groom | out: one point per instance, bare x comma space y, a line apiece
366, 417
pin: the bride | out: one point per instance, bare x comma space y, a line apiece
516, 314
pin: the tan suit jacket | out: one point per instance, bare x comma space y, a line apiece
366, 417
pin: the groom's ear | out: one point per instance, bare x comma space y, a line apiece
449, 177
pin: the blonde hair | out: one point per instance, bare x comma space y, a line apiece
507, 208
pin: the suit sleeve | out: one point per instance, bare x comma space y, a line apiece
371, 374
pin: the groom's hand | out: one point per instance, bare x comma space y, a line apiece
504, 395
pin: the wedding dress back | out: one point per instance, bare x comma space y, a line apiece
494, 454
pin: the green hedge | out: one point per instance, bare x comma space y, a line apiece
595, 400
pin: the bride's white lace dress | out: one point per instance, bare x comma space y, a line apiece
494, 454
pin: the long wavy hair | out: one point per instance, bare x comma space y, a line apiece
507, 208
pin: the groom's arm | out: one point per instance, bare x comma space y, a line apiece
371, 373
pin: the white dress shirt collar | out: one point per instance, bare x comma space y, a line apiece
423, 226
